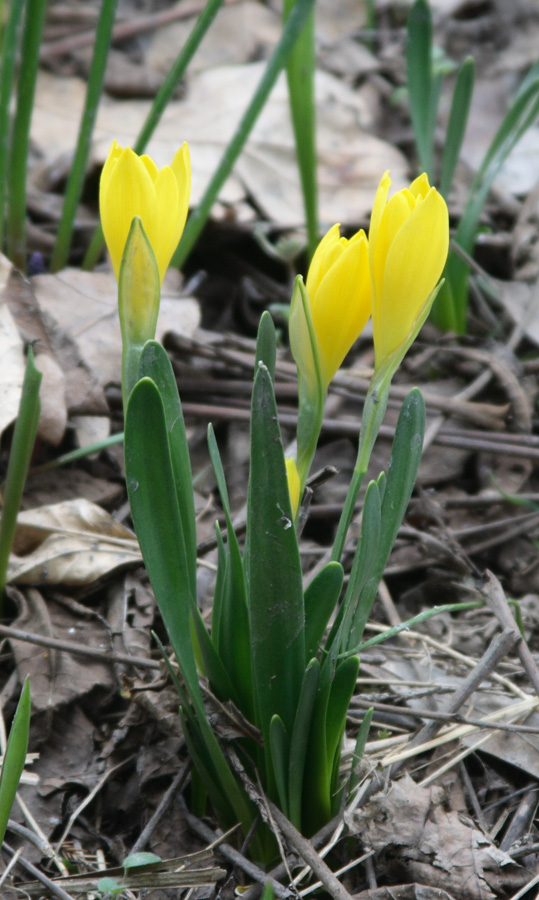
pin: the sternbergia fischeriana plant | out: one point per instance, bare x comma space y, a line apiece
267, 652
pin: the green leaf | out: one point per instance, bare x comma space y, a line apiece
359, 750
401, 477
15, 756
419, 77
155, 364
364, 572
299, 741
456, 126
266, 350
342, 688
321, 598
156, 515
275, 579
142, 858
280, 749
232, 636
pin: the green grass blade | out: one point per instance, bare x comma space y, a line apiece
22, 445
456, 126
15, 756
276, 63
94, 88
275, 581
7, 72
20, 136
300, 73
341, 693
419, 77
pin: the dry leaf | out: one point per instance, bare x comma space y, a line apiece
12, 366
351, 161
438, 848
85, 306
70, 543
53, 416
58, 677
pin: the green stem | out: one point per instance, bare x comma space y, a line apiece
19, 459
373, 414
20, 139
78, 170
301, 88
276, 63
159, 105
7, 71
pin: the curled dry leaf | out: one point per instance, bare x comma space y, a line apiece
70, 543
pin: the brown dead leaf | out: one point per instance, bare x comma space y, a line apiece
84, 305
438, 848
351, 160
57, 677
70, 543
83, 394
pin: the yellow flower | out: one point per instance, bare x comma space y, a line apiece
293, 483
408, 245
338, 288
132, 186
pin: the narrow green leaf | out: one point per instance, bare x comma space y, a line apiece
15, 756
456, 126
214, 669
401, 477
10, 46
364, 573
275, 578
359, 750
299, 741
321, 598
342, 688
280, 750
232, 637
266, 350
300, 73
152, 495
218, 594
155, 364
34, 19
419, 78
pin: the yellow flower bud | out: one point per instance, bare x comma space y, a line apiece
132, 186
293, 484
338, 287
408, 245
